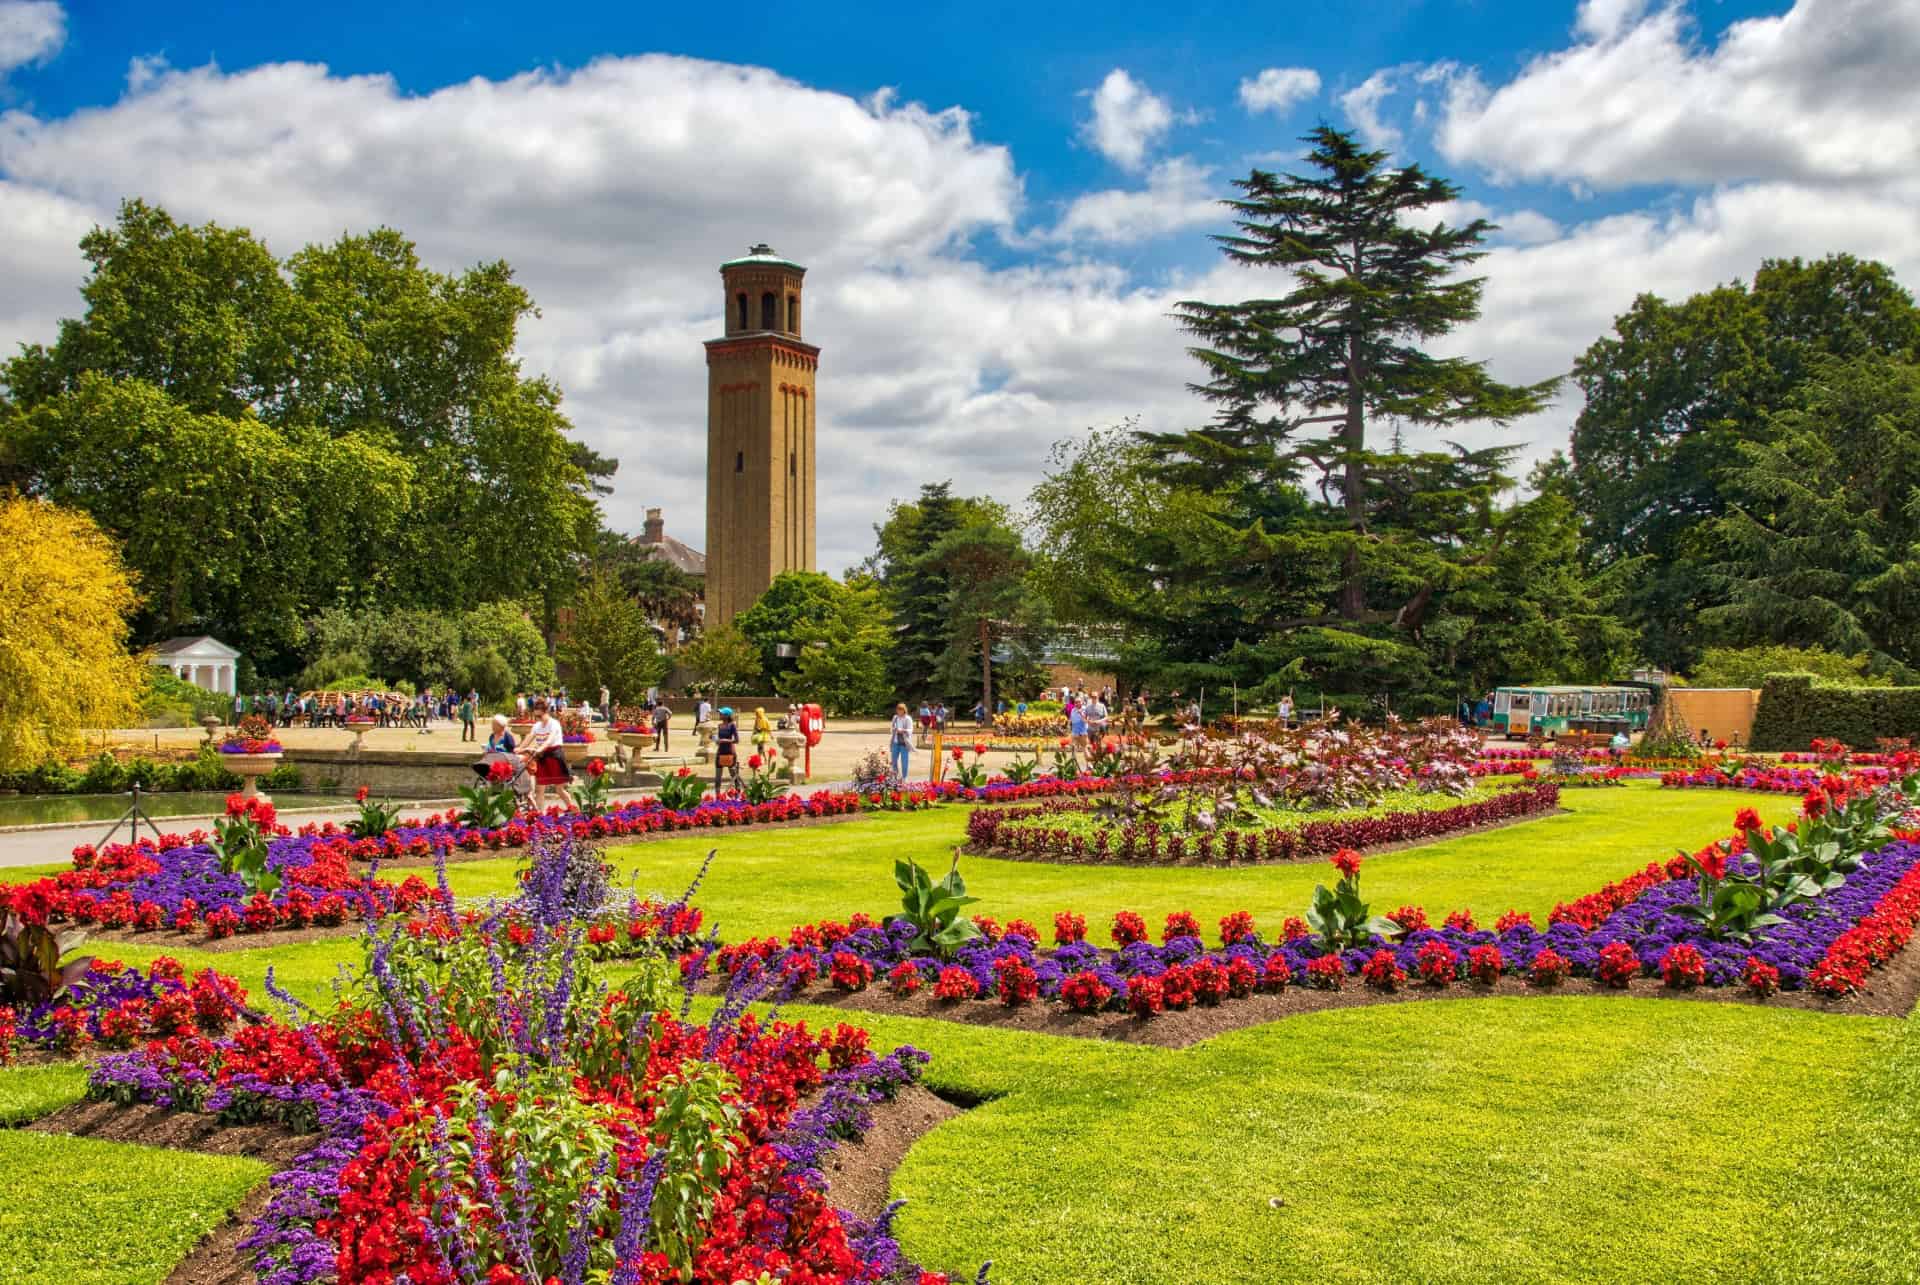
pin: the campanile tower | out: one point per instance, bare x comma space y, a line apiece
759, 435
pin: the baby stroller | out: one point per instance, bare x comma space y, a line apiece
522, 779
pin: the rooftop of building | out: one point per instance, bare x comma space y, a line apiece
761, 254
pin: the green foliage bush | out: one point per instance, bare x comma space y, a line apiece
170, 701
486, 671
106, 775
1795, 708
327, 670
1749, 666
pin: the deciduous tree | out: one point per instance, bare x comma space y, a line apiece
65, 599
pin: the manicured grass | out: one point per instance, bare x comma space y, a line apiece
1542, 1139
767, 882
1514, 1140
27, 874
82, 1212
29, 1092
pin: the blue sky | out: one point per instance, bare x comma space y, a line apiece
1000, 203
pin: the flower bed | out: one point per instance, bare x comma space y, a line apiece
112, 1006
250, 747
1670, 921
488, 1110
1777, 780
1024, 832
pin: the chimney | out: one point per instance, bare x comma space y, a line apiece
655, 530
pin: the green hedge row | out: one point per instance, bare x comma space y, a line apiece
1795, 708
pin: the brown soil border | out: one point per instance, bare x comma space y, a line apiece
1891, 991
1402, 845
858, 1174
170, 938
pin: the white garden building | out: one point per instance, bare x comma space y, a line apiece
203, 661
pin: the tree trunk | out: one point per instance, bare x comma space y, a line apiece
986, 668
1353, 441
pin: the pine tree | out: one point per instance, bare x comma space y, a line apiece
1344, 347
920, 589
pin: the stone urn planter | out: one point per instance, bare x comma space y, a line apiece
792, 744
634, 743
250, 768
520, 729
705, 732
578, 752
212, 725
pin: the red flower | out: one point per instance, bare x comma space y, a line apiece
956, 983
360, 795
1347, 862
1746, 820
1813, 804
754, 761
1549, 968
958, 754
1485, 964
596, 767
1438, 964
1327, 972
1618, 964
500, 770
1128, 928
903, 980
1683, 967
1761, 978
1381, 972
979, 747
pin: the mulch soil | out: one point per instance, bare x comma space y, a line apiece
169, 939
1891, 992
1062, 859
857, 1174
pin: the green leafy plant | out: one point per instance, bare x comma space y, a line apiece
489, 805
934, 908
1022, 770
970, 775
375, 819
1065, 766
1339, 917
240, 842
761, 784
591, 788
682, 791
30, 969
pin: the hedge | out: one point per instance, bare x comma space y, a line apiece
1795, 708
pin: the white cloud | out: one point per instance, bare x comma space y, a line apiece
1179, 194
1605, 19
1129, 120
1823, 93
615, 191
1276, 89
31, 31
1362, 106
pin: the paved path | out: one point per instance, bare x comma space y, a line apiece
54, 844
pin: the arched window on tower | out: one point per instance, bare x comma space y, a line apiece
739, 461
793, 314
741, 300
769, 311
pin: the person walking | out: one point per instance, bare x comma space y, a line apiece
702, 711
726, 749
900, 742
1077, 732
467, 713
545, 751
662, 720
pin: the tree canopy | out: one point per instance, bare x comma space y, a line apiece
269, 438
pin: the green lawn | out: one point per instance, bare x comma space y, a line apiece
1550, 1139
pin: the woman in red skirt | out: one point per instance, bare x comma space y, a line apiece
545, 750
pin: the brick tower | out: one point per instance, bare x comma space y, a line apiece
759, 435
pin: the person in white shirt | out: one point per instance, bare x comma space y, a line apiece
703, 711
546, 756
900, 742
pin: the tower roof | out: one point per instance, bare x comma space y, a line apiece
761, 254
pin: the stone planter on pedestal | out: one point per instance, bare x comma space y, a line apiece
250, 768
578, 752
634, 743
705, 732
792, 745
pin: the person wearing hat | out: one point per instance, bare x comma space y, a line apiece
726, 749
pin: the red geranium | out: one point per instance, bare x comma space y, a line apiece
1618, 964
1683, 967
1381, 971
1347, 862
1549, 968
